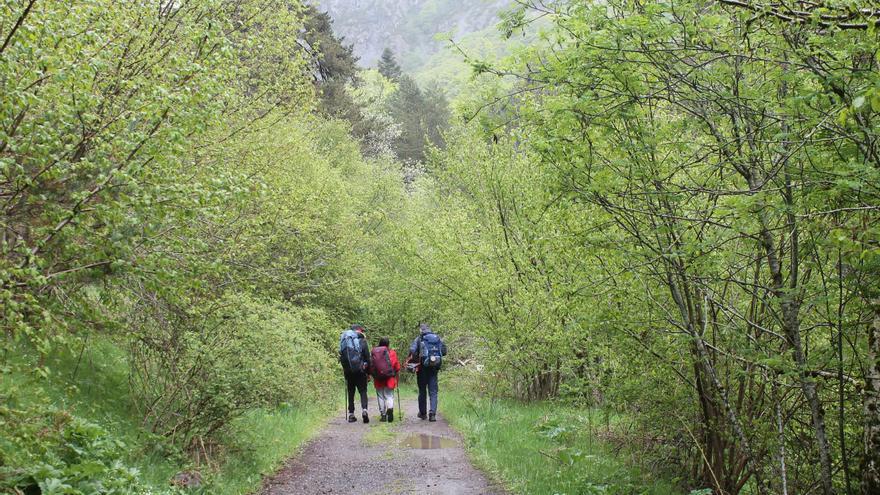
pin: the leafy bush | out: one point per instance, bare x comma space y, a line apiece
53, 451
199, 371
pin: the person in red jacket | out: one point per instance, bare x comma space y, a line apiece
385, 368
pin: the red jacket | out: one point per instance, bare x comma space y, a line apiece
389, 382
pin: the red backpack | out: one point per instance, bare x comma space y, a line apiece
381, 359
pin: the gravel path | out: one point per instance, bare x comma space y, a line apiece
346, 459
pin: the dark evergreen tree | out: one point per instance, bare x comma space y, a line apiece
388, 65
334, 69
334, 64
436, 114
422, 116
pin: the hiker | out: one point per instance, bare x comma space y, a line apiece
426, 356
385, 368
354, 356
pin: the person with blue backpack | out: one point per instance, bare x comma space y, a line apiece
426, 356
354, 356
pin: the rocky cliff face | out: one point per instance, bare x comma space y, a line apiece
408, 27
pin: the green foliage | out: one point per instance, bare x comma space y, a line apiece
92, 144
452, 67
204, 371
371, 95
90, 388
141, 225
422, 115
665, 210
333, 61
53, 451
337, 79
561, 445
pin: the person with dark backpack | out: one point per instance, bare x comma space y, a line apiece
354, 356
385, 368
426, 354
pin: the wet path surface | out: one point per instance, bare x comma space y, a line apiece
408, 457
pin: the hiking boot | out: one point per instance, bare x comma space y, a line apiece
383, 418
432, 417
351, 418
422, 416
366, 417
390, 415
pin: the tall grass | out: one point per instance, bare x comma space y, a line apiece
259, 443
544, 448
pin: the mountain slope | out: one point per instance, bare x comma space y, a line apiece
408, 27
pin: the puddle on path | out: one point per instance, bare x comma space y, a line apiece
428, 442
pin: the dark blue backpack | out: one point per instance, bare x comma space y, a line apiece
431, 351
350, 351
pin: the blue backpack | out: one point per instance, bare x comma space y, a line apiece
350, 351
431, 351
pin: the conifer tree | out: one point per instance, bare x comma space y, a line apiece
388, 65
422, 116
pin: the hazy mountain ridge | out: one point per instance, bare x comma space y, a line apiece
408, 27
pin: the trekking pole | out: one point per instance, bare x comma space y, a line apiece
399, 402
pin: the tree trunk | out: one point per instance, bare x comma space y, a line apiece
790, 309
871, 462
693, 319
780, 431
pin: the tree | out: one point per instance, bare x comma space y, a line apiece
146, 218
696, 188
338, 82
422, 117
388, 65
333, 60
123, 127
334, 65
701, 151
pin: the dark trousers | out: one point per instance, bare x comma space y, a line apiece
359, 381
427, 379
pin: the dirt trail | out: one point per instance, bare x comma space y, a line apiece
345, 459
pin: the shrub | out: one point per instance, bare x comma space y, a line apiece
48, 450
196, 372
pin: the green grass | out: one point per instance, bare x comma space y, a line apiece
544, 448
259, 443
94, 387
381, 434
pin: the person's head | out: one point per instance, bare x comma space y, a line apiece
424, 328
358, 328
383, 342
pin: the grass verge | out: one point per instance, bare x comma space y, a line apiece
259, 443
543, 448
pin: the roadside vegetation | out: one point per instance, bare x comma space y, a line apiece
86, 407
170, 292
550, 447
